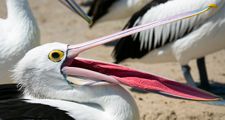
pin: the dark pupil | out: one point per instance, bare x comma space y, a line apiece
55, 55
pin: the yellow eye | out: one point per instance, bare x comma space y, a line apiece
56, 55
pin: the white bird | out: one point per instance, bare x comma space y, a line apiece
19, 33
108, 10
45, 75
180, 41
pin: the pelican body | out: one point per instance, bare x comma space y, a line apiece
181, 41
19, 33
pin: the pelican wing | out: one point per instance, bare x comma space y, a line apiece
138, 45
12, 107
9, 91
18, 109
99, 8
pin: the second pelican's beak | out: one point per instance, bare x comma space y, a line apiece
72, 5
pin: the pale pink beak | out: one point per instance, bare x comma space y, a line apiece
96, 70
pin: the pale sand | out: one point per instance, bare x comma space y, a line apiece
58, 24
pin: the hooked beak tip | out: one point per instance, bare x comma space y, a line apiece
90, 21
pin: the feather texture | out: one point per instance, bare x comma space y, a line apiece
19, 109
99, 8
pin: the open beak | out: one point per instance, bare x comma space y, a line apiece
111, 73
117, 74
72, 5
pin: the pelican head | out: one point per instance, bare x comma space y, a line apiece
40, 73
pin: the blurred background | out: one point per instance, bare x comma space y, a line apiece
58, 24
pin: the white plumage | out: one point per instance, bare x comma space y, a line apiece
18, 34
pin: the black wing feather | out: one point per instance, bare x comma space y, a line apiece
99, 8
18, 109
129, 47
9, 91
14, 108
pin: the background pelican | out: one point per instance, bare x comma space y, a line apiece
181, 41
19, 33
107, 10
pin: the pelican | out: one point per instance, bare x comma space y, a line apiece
19, 33
56, 84
108, 10
180, 42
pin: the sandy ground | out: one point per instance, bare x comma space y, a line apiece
58, 24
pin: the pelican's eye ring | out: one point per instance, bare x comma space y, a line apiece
56, 55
